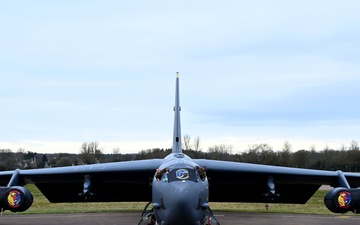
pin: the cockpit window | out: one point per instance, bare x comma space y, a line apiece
182, 175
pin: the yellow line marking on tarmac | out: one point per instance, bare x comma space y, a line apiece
344, 217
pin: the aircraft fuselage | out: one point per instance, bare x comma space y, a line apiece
180, 196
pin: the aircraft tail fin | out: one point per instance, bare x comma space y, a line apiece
176, 147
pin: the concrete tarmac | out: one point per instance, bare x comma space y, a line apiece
132, 218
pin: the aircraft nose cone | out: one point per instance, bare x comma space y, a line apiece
186, 193
184, 205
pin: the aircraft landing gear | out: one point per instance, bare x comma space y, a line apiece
210, 218
147, 216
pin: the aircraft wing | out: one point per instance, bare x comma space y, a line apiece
109, 182
244, 182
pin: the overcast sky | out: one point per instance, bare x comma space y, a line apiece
251, 72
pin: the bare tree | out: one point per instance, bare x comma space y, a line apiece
116, 151
287, 146
326, 148
312, 148
20, 154
187, 139
196, 144
354, 145
116, 155
90, 152
220, 152
285, 155
343, 147
21, 151
265, 155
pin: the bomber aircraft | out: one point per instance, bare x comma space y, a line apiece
177, 188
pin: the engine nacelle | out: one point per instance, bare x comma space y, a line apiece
342, 200
15, 199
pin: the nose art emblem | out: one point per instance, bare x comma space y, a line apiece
182, 174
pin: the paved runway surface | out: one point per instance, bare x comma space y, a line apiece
132, 218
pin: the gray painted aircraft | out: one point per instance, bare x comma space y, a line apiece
177, 187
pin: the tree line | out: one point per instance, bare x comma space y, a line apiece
89, 153
345, 159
